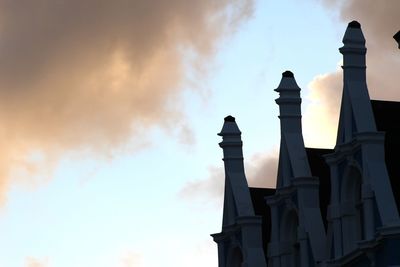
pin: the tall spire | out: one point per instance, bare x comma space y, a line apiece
296, 188
293, 160
356, 112
237, 196
240, 241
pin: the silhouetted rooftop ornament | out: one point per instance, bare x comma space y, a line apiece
353, 38
288, 83
355, 24
288, 74
229, 118
397, 38
230, 128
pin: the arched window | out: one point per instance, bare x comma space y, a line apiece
351, 207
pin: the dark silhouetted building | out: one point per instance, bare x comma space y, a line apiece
330, 207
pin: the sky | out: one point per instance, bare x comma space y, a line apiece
109, 114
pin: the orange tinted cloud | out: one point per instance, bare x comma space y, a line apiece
320, 118
379, 21
90, 74
131, 259
33, 262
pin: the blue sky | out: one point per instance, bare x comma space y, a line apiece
127, 207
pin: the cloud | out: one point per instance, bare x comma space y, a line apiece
90, 75
33, 262
322, 114
208, 189
379, 21
131, 259
261, 171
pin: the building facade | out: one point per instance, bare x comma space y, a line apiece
330, 207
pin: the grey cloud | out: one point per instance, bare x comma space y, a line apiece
261, 171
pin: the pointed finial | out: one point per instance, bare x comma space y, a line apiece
229, 118
230, 127
289, 96
288, 83
353, 37
354, 24
288, 74
397, 37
